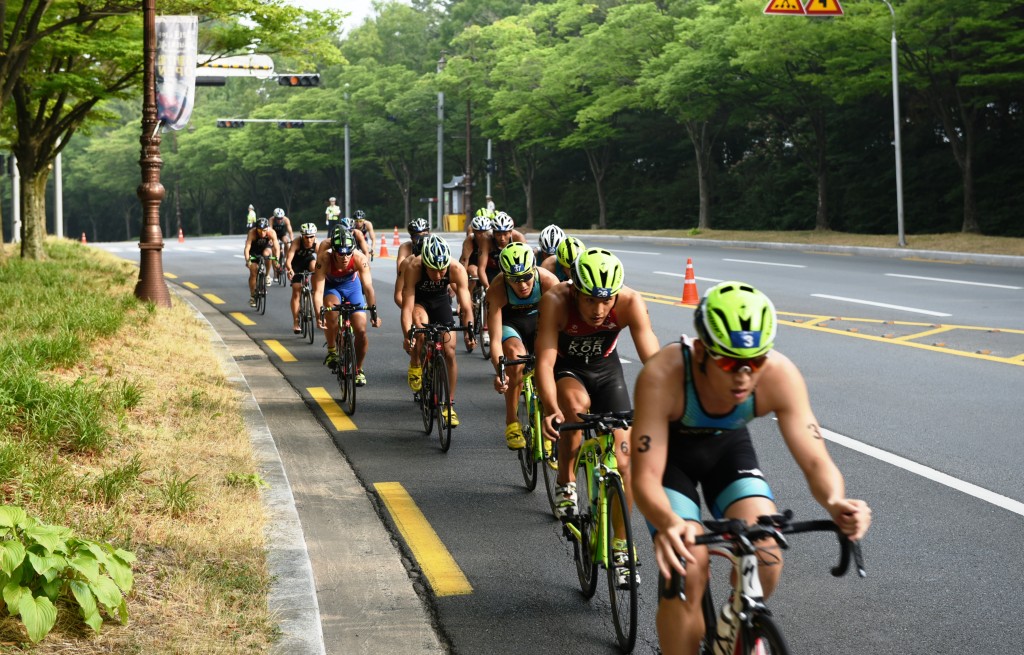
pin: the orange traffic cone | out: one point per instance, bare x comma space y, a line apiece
690, 295
83, 238
383, 246
181, 236
394, 241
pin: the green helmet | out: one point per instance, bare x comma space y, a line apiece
598, 273
436, 253
516, 259
342, 242
736, 320
568, 250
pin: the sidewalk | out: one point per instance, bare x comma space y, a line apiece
339, 583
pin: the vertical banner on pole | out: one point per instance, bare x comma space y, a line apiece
177, 40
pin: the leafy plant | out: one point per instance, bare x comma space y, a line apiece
251, 480
42, 564
112, 484
179, 496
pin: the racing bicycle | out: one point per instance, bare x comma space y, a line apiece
753, 632
538, 451
261, 280
306, 321
345, 343
601, 503
434, 397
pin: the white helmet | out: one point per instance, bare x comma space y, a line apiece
550, 237
279, 213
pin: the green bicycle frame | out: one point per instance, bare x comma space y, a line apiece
598, 452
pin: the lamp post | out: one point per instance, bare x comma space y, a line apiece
440, 147
151, 285
348, 170
901, 237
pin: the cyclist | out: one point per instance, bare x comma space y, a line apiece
548, 242
694, 400
503, 232
578, 369
342, 274
566, 253
347, 225
480, 213
300, 259
425, 300
260, 240
478, 230
419, 229
282, 228
366, 227
512, 302
250, 218
332, 213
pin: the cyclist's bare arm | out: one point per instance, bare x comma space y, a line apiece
481, 262
411, 275
245, 252
658, 401
550, 320
319, 276
366, 279
459, 277
496, 300
467, 250
781, 389
518, 236
634, 314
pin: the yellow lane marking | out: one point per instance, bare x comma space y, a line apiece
440, 569
212, 298
171, 276
191, 285
927, 333
833, 254
280, 350
338, 418
242, 318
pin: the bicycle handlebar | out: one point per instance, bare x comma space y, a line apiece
435, 329
603, 422
522, 361
349, 309
775, 526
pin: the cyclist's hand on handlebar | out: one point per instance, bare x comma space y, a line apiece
852, 516
671, 546
501, 386
551, 423
407, 343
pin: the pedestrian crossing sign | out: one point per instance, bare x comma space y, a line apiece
785, 7
823, 8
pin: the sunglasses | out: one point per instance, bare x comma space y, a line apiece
736, 365
519, 279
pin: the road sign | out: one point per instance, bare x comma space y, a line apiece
823, 8
785, 7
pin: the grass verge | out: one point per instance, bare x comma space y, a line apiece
116, 421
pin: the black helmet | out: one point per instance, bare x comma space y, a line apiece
262, 223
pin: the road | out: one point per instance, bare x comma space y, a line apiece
914, 369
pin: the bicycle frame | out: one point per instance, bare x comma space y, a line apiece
598, 452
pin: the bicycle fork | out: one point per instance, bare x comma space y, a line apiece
598, 541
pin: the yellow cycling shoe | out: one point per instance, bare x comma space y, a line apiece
514, 436
450, 416
415, 378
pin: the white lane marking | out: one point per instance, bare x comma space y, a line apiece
683, 275
981, 493
751, 261
239, 256
625, 361
204, 250
880, 304
635, 252
942, 279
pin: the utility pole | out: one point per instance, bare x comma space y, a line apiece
468, 181
440, 147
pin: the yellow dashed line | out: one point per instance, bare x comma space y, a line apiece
212, 298
242, 318
440, 569
170, 276
832, 254
338, 418
926, 333
280, 350
190, 285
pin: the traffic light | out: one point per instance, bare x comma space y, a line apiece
492, 166
301, 79
284, 125
230, 123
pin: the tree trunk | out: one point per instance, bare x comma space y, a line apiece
821, 218
697, 131
127, 223
33, 214
525, 167
598, 167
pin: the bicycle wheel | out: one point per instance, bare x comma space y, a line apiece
426, 397
527, 461
485, 335
762, 637
442, 401
342, 366
623, 596
350, 371
455, 314
261, 292
549, 464
310, 319
707, 644
586, 521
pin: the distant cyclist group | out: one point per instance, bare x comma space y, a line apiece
564, 305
